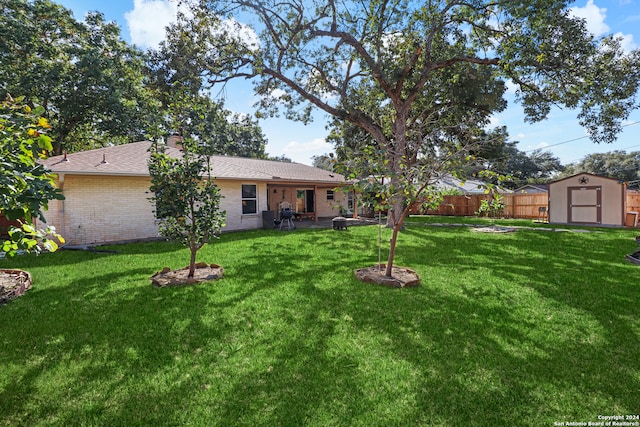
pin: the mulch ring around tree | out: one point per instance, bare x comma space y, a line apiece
203, 273
401, 277
494, 229
13, 283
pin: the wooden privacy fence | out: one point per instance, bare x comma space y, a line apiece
633, 201
517, 205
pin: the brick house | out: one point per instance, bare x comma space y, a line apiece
107, 192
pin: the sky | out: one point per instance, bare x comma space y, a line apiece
142, 23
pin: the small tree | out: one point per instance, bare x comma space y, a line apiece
187, 201
27, 186
492, 207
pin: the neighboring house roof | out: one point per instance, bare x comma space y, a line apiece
132, 160
450, 183
532, 188
469, 186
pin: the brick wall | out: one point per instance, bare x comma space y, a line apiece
100, 209
232, 204
330, 208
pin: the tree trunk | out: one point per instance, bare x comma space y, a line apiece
392, 250
65, 131
192, 262
397, 158
397, 214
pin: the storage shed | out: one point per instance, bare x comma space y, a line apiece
588, 199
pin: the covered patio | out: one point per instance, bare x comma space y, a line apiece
308, 202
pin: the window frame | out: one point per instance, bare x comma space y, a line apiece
244, 199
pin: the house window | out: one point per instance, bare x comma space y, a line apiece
249, 199
329, 194
350, 201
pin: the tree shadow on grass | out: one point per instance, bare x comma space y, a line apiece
117, 354
291, 338
430, 357
576, 281
479, 354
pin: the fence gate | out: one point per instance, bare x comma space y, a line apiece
585, 204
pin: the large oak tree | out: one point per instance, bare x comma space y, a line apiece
89, 81
175, 76
421, 78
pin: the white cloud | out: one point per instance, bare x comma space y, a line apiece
241, 32
148, 20
594, 16
628, 44
494, 121
302, 152
511, 87
278, 93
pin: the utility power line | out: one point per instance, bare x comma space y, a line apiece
577, 139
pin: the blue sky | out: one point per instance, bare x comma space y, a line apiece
142, 23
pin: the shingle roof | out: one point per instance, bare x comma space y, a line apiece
469, 186
132, 159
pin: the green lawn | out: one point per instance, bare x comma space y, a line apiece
516, 329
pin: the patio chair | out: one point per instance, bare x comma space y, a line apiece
542, 214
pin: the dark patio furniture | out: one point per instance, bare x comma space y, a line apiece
339, 223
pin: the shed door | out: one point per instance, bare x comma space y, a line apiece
585, 204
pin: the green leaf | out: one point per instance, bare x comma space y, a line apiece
28, 228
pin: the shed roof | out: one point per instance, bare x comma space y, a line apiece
584, 173
132, 160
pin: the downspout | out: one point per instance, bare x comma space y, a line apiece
61, 211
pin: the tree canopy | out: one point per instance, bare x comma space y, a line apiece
176, 72
89, 81
514, 167
422, 79
615, 164
324, 161
96, 89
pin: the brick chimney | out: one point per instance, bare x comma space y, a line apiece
174, 141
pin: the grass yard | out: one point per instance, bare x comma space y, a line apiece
528, 328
